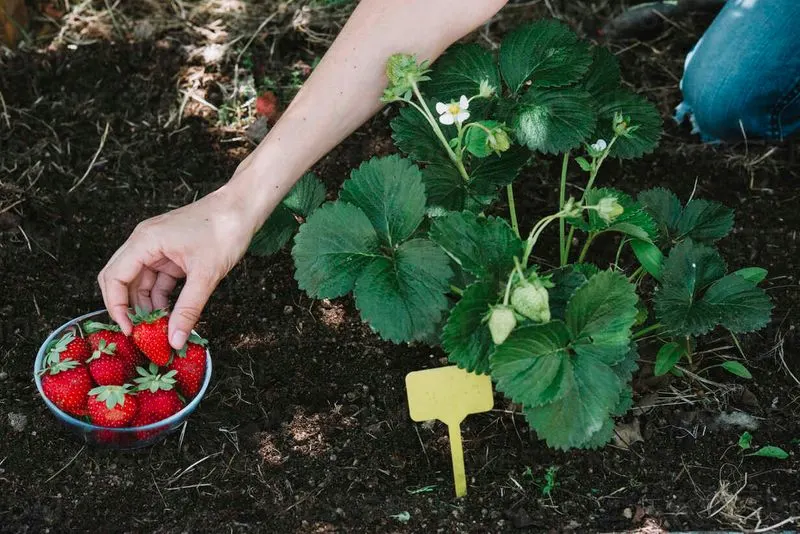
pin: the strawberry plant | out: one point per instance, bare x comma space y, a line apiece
418, 241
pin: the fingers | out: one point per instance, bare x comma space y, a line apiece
114, 280
190, 304
162, 289
140, 291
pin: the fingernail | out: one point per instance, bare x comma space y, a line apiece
179, 338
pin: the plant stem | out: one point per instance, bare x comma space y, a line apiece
636, 273
534, 236
596, 163
512, 208
438, 132
562, 199
646, 330
508, 288
619, 250
586, 245
457, 290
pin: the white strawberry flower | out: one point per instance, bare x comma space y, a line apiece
599, 145
454, 112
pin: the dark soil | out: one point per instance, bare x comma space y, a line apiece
305, 426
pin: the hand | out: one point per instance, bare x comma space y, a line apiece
201, 242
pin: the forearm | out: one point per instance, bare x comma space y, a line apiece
345, 89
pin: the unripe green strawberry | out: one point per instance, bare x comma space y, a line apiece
532, 301
501, 323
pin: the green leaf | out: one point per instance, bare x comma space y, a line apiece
704, 221
332, 249
403, 297
741, 306
566, 280
701, 220
745, 440
460, 71
533, 366
275, 232
554, 120
736, 368
689, 268
603, 75
483, 246
306, 195
444, 187
643, 115
584, 165
668, 357
649, 255
696, 296
634, 220
665, 208
476, 139
600, 315
413, 135
583, 411
466, 338
771, 452
487, 174
547, 52
389, 191
755, 275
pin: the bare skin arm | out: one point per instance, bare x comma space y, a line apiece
204, 240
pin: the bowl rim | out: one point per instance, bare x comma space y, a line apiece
68, 418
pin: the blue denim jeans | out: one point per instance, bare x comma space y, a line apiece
742, 79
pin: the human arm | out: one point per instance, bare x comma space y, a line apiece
204, 240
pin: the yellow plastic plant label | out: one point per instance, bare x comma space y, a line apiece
449, 394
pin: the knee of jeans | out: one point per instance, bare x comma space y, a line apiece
723, 106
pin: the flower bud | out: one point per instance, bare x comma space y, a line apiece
498, 140
609, 209
572, 209
486, 90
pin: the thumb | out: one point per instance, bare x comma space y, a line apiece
187, 310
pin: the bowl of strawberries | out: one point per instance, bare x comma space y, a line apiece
121, 391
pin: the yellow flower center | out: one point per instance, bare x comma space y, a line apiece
454, 109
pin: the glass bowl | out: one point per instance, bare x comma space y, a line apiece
117, 438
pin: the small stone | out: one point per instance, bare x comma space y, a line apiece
521, 518
18, 421
288, 310
257, 131
627, 513
3, 375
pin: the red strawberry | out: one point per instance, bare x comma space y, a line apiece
69, 347
150, 335
111, 406
267, 105
157, 398
67, 384
107, 368
126, 349
190, 366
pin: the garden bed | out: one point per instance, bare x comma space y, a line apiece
305, 426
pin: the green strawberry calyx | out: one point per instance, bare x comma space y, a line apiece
60, 346
193, 338
151, 379
59, 367
111, 395
90, 327
102, 348
142, 316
